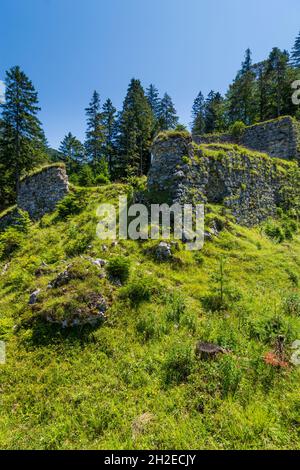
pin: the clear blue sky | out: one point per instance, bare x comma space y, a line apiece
70, 47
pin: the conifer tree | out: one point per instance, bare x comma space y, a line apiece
154, 100
277, 79
168, 118
214, 113
72, 151
23, 140
295, 55
242, 95
110, 129
95, 136
198, 118
135, 132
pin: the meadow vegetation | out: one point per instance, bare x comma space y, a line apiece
134, 380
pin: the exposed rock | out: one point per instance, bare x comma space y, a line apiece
163, 251
34, 297
61, 279
5, 268
100, 263
42, 270
91, 314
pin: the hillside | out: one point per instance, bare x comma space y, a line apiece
133, 380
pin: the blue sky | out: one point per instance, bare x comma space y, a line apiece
70, 47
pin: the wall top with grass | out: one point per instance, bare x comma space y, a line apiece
278, 138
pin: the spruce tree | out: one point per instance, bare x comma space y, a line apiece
95, 136
168, 118
135, 132
214, 113
295, 55
154, 100
198, 118
242, 95
110, 130
73, 153
23, 140
277, 78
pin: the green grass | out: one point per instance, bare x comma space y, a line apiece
134, 382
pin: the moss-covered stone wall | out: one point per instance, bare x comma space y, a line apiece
251, 184
278, 138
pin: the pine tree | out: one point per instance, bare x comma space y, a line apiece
110, 130
135, 132
23, 140
242, 95
72, 151
198, 118
168, 118
295, 55
95, 136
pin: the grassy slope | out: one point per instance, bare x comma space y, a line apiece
134, 382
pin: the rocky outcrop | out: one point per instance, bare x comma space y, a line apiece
39, 193
278, 138
251, 184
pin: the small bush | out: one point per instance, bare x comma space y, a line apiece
237, 129
70, 205
10, 240
118, 268
293, 277
150, 326
267, 330
139, 290
22, 221
275, 232
176, 307
291, 304
178, 364
101, 179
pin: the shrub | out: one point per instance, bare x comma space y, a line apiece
150, 326
291, 304
10, 240
267, 330
293, 277
118, 268
175, 307
178, 364
79, 239
101, 179
139, 290
22, 221
237, 129
230, 375
274, 231
70, 205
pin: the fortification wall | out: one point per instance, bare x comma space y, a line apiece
278, 138
252, 185
40, 192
